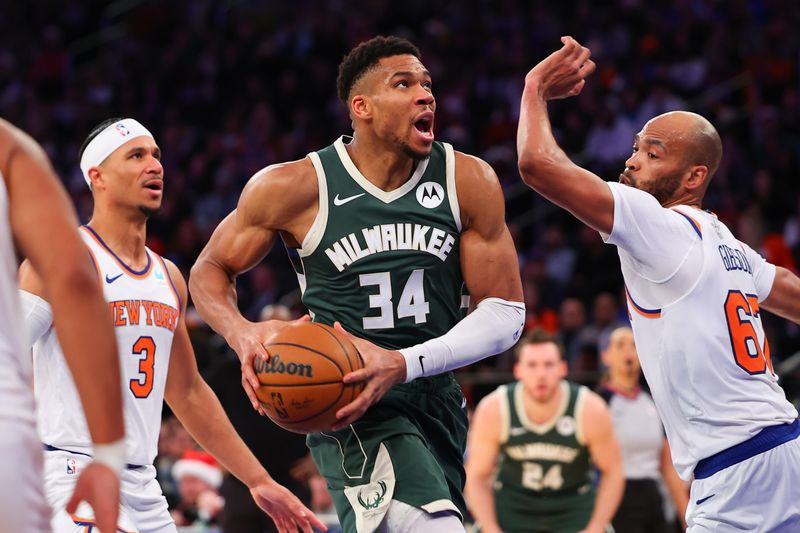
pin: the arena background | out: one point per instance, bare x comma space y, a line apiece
229, 87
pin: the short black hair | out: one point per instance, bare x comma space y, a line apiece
95, 132
365, 56
537, 336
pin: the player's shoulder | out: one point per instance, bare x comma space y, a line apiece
284, 177
474, 169
593, 403
287, 188
172, 268
491, 403
177, 278
480, 195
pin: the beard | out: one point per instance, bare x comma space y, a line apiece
662, 188
414, 154
405, 147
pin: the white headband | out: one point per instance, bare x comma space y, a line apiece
108, 140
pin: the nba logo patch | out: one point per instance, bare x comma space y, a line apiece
124, 131
72, 466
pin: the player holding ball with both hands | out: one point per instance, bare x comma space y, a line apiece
389, 230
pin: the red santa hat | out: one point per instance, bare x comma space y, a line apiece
200, 465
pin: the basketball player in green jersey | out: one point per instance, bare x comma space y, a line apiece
548, 435
386, 228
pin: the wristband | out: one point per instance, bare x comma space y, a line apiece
111, 454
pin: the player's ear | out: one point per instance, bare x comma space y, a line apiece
698, 174
96, 178
360, 107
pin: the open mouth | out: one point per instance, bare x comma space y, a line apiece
154, 185
424, 124
623, 179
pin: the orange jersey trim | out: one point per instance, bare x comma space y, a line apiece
695, 225
647, 313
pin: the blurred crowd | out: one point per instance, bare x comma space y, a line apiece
230, 86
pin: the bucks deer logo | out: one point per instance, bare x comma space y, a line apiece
373, 499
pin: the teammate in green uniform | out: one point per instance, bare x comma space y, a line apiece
388, 231
547, 435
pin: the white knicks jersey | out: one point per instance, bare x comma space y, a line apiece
693, 297
16, 376
145, 308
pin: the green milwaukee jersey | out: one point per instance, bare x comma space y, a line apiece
384, 264
544, 476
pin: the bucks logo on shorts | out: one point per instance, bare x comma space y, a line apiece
370, 501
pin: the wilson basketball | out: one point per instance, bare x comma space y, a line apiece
301, 383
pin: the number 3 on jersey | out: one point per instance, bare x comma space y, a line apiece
741, 311
412, 300
145, 348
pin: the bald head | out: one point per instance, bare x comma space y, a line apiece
695, 135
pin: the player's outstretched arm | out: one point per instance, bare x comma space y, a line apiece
491, 273
240, 242
199, 410
543, 165
784, 298
44, 226
604, 450
484, 447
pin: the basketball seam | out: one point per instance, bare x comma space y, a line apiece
353, 388
342, 347
341, 370
342, 393
313, 384
318, 413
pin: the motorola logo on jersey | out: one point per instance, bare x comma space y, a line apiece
430, 194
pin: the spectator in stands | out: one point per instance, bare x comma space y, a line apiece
199, 477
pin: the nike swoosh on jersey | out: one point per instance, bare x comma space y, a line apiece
341, 201
516, 432
703, 500
112, 280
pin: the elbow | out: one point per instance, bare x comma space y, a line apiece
527, 166
194, 274
534, 167
198, 275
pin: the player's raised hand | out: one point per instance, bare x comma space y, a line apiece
382, 370
248, 343
98, 486
563, 73
288, 512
